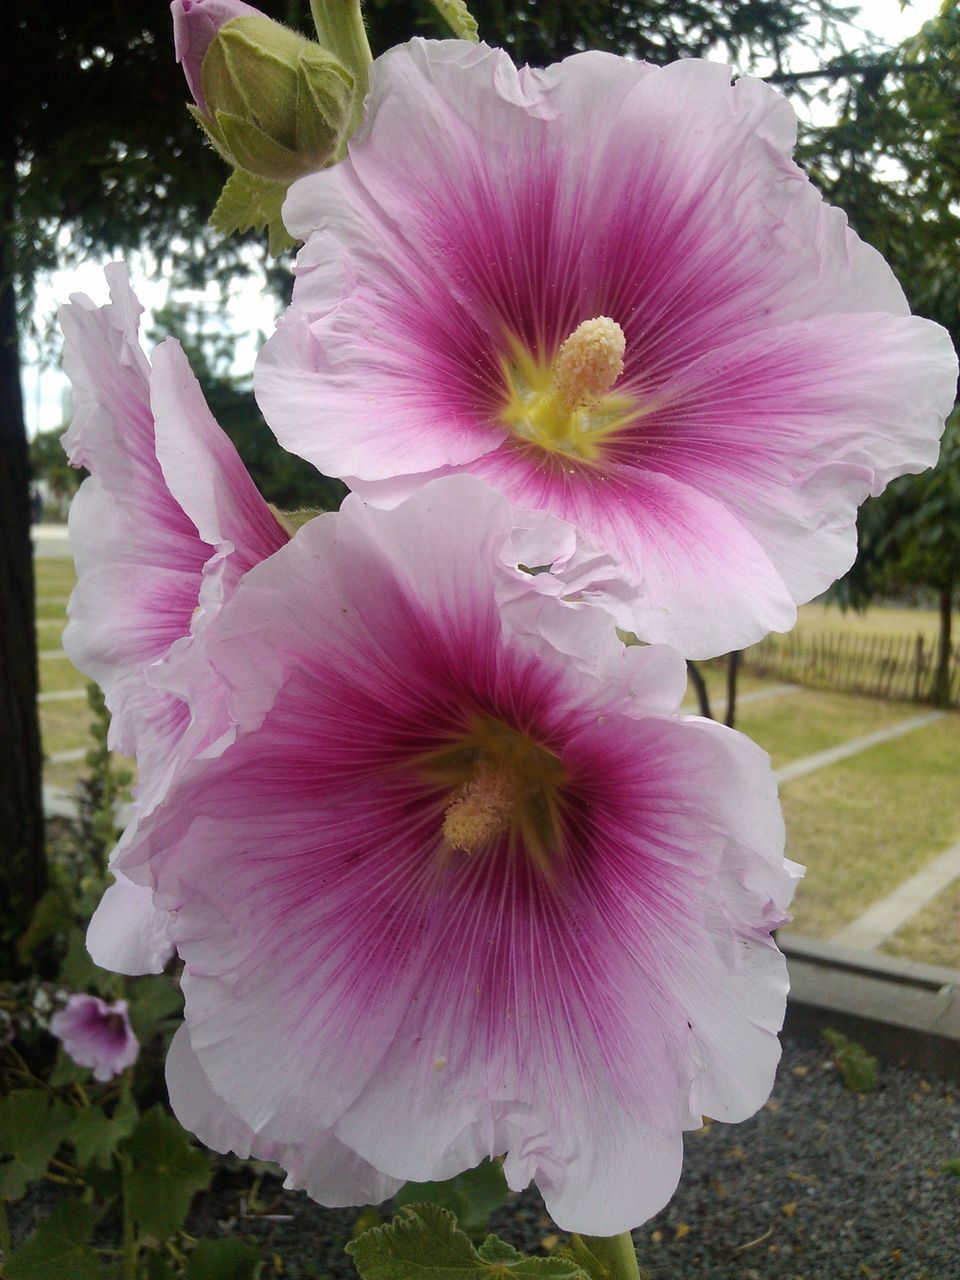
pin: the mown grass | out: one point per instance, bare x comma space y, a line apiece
806, 721
54, 575
866, 824
50, 632
933, 935
65, 725
59, 673
817, 618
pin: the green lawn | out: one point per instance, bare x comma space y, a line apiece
54, 576
802, 723
59, 673
817, 618
933, 935
64, 725
866, 824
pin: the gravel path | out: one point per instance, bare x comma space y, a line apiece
822, 1185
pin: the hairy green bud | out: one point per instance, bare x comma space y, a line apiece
278, 105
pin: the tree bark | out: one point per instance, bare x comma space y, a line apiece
733, 667
941, 683
699, 684
22, 862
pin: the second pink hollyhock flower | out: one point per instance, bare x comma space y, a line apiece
465, 865
161, 531
97, 1035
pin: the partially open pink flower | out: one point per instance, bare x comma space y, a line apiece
96, 1034
195, 23
606, 289
465, 867
161, 532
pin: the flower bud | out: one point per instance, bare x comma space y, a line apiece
195, 23
278, 105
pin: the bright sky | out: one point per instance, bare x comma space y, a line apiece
252, 313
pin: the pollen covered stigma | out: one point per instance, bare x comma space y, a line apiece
500, 785
482, 808
568, 406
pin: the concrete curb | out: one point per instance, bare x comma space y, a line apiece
901, 1010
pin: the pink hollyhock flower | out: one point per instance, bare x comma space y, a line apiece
161, 531
606, 289
96, 1034
462, 862
195, 23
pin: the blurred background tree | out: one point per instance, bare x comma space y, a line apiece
98, 156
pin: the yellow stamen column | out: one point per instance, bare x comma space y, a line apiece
589, 362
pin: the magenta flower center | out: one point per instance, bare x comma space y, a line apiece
567, 406
501, 784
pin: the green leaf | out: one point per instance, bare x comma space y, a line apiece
424, 1242
79, 973
857, 1067
458, 18
471, 1197
154, 1001
53, 914
32, 1126
226, 1259
58, 1249
163, 1172
248, 202
96, 1136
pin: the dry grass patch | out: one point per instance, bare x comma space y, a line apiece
933, 935
866, 824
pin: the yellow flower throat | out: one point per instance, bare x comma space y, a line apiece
567, 407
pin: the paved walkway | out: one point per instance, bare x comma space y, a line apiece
50, 541
833, 755
61, 695
882, 920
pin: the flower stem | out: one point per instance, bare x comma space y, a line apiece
612, 1257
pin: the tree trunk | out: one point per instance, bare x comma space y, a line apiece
22, 863
941, 683
698, 682
733, 667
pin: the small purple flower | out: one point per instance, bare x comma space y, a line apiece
195, 23
97, 1035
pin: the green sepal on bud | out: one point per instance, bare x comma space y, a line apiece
278, 105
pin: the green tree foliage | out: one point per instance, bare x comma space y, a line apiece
910, 536
892, 160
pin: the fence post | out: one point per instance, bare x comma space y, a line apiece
918, 668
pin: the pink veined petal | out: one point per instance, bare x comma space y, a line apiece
437, 1006
162, 531
770, 359
127, 933
696, 577
325, 1169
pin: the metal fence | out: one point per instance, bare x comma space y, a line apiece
883, 666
